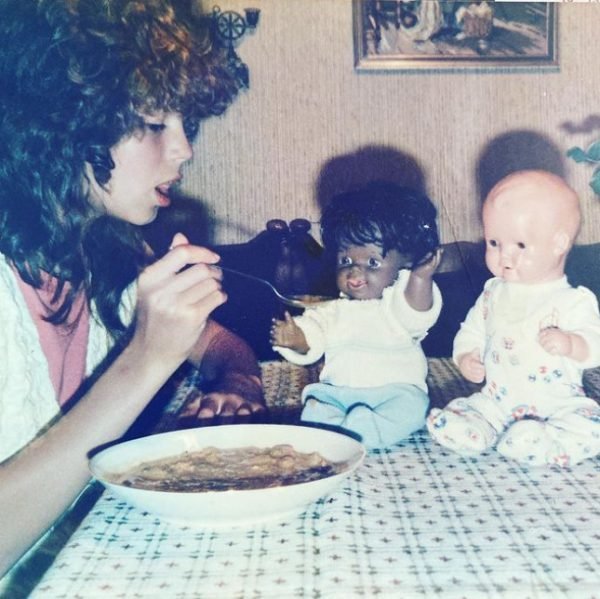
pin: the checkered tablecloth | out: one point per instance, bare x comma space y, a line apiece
413, 521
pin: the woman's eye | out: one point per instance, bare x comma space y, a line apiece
155, 127
374, 263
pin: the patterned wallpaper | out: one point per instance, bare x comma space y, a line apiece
310, 124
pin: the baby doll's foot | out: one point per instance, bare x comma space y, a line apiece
529, 442
467, 434
373, 429
319, 411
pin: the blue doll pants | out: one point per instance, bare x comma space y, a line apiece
381, 416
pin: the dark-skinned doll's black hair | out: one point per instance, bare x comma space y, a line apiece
386, 214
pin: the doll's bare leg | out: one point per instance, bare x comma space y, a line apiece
461, 428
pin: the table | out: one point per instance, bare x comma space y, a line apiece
413, 521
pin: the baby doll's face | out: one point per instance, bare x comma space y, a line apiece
363, 272
520, 241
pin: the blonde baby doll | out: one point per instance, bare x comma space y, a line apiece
385, 241
529, 335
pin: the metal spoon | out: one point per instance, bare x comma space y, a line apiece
290, 301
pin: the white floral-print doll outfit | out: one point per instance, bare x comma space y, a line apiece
532, 407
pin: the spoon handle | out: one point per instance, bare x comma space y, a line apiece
286, 300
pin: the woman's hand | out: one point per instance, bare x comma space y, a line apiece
238, 399
176, 295
231, 385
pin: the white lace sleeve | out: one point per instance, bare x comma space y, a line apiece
100, 341
27, 397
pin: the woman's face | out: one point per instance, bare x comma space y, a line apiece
363, 272
147, 164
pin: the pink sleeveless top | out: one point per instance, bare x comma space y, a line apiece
64, 346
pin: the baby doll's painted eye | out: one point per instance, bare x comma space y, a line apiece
493, 243
344, 261
521, 245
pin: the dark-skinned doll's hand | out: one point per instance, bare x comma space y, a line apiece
419, 289
427, 269
286, 333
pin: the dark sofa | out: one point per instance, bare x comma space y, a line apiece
287, 255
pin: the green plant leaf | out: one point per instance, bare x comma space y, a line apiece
593, 151
595, 182
591, 155
578, 155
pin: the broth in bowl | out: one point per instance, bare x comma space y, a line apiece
214, 469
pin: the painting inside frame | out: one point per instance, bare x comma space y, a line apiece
449, 34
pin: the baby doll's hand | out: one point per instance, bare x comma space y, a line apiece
561, 343
286, 333
427, 269
471, 366
555, 341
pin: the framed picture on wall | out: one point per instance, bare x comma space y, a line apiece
448, 34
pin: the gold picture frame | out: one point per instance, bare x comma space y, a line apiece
398, 35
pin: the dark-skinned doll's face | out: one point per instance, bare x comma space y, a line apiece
363, 272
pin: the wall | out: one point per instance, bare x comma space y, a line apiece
310, 120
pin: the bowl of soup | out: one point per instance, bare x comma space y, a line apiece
230, 475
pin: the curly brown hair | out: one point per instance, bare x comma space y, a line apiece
75, 76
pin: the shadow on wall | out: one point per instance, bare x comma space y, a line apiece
368, 163
515, 151
590, 124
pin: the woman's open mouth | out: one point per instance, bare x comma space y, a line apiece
163, 191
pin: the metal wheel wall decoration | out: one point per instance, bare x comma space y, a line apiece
229, 26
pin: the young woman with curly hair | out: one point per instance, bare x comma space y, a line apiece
100, 102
